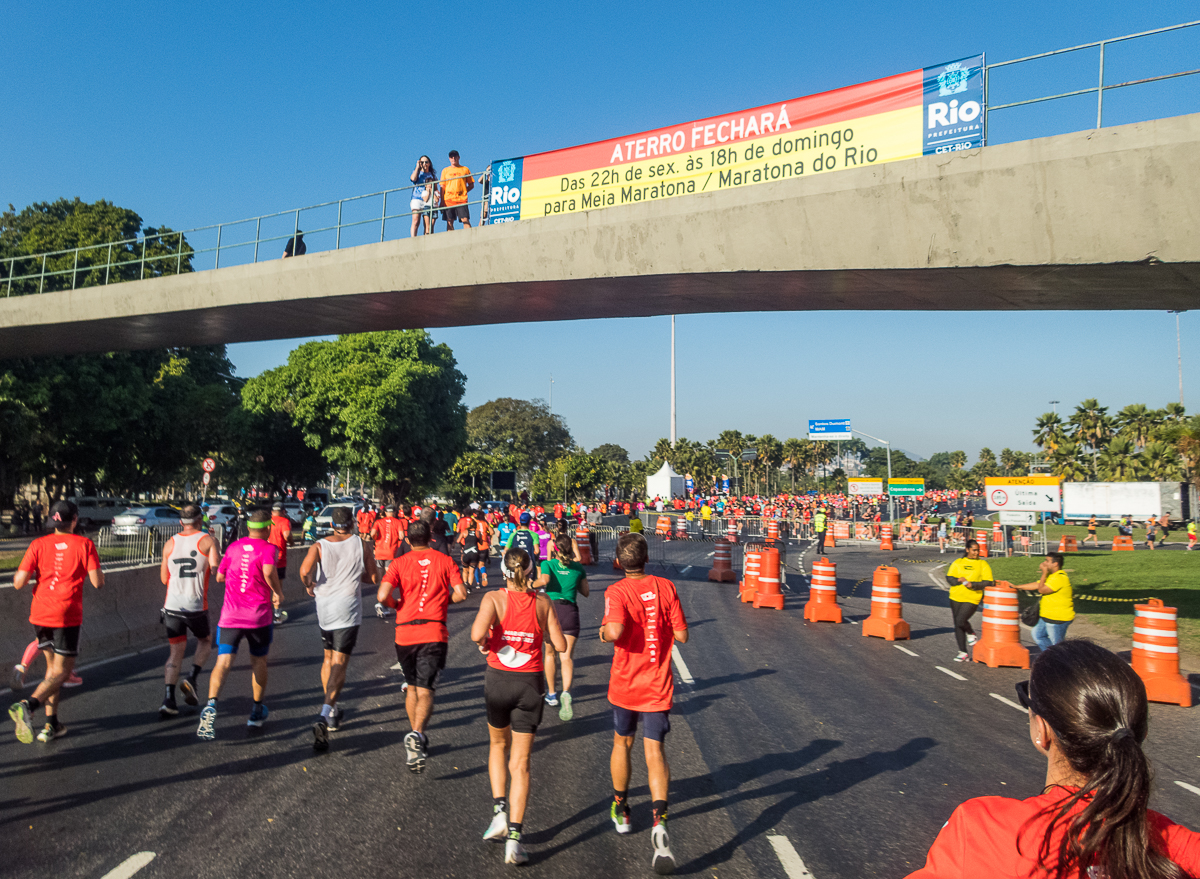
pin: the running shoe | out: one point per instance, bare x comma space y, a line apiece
971, 639
320, 735
18, 678
662, 862
189, 691
514, 852
334, 720
168, 708
258, 714
552, 700
961, 657
620, 818
498, 830
50, 732
208, 719
19, 712
414, 748
73, 680
404, 686
280, 616
567, 711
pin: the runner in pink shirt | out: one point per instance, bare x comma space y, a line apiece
252, 592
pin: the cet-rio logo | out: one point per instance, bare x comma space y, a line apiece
953, 79
508, 171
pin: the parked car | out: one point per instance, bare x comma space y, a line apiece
224, 514
95, 512
133, 520
323, 524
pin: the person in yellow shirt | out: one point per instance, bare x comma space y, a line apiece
635, 525
1056, 608
968, 577
1191, 532
455, 184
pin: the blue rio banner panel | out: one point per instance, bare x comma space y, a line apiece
954, 106
504, 197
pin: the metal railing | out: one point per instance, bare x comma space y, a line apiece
86, 269
144, 547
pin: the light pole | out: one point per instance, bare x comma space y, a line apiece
672, 381
1054, 406
1179, 352
550, 406
888, 446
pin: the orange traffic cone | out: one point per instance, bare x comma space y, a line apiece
768, 594
1156, 653
722, 569
887, 617
1000, 642
981, 537
585, 545
731, 531
749, 587
822, 606
885, 537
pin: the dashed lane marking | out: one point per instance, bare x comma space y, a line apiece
793, 864
1191, 787
681, 666
952, 674
905, 650
1016, 705
129, 866
685, 571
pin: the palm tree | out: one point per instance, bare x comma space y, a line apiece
1069, 463
958, 460
1162, 462
792, 454
1049, 433
1174, 413
1092, 427
1138, 423
770, 456
1120, 461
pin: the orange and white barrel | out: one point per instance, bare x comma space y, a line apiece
885, 537
584, 544
822, 606
769, 594
887, 615
749, 586
1156, 653
1000, 641
722, 569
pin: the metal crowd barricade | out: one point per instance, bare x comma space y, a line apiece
143, 548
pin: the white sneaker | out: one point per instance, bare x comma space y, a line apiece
663, 861
971, 639
498, 829
552, 700
961, 657
514, 852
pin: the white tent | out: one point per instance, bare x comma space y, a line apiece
666, 483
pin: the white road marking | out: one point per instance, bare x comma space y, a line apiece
940, 584
793, 864
129, 866
396, 667
1016, 705
681, 666
952, 674
905, 650
1191, 787
685, 571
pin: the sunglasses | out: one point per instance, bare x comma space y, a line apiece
1023, 695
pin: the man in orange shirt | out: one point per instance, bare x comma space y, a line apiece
642, 620
60, 562
387, 534
456, 183
428, 582
366, 519
280, 537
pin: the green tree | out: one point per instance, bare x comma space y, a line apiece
1120, 461
387, 404
1049, 433
1070, 463
573, 476
1091, 427
1139, 423
524, 431
611, 452
64, 225
958, 460
18, 436
1162, 462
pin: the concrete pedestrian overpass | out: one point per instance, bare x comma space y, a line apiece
1102, 219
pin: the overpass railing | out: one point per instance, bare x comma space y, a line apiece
169, 252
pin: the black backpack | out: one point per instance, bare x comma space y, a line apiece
523, 539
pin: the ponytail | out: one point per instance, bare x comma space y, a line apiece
518, 570
562, 542
1096, 706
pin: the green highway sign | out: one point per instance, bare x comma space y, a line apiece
906, 487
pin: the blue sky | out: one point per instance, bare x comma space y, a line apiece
232, 110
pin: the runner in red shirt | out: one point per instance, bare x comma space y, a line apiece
279, 537
387, 534
60, 562
642, 620
428, 582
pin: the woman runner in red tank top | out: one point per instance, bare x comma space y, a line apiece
509, 629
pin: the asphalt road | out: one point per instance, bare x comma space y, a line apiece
787, 736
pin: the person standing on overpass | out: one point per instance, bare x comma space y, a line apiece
333, 573
295, 246
968, 577
428, 582
642, 620
252, 588
820, 523
188, 560
60, 562
456, 183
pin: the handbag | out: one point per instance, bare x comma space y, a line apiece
1031, 614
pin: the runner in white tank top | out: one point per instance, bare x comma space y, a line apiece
189, 558
333, 572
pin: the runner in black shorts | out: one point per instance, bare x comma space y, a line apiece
510, 629
564, 580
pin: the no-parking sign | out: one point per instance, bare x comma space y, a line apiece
1030, 494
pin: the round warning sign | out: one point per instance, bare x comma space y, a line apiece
999, 497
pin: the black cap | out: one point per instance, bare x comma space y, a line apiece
454, 154
62, 512
341, 517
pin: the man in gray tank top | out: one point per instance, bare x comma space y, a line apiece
333, 573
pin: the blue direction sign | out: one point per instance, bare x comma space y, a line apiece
829, 429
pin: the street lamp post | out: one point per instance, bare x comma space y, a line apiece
1054, 406
1179, 353
888, 446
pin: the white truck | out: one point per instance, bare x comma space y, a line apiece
1109, 501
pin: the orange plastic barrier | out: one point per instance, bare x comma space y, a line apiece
830, 540
862, 531
680, 528
749, 585
773, 529
841, 530
1122, 543
663, 527
722, 569
1068, 543
768, 594
887, 616
997, 535
885, 537
1156, 654
1000, 642
731, 531
981, 537
585, 545
822, 606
